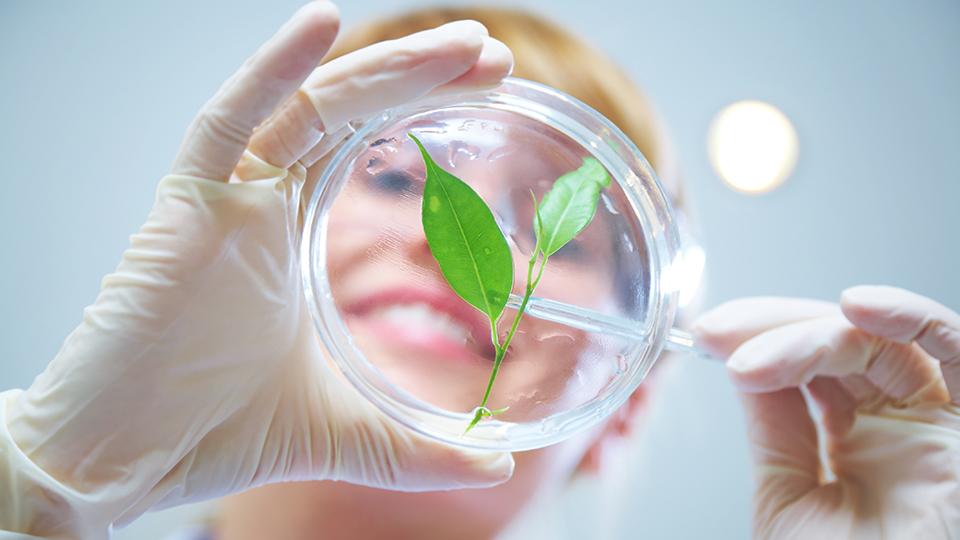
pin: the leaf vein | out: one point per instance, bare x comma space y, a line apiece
466, 242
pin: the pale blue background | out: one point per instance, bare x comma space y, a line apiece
96, 95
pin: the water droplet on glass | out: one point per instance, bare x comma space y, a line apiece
376, 165
500, 152
621, 364
460, 151
627, 243
556, 334
487, 251
529, 395
428, 127
579, 377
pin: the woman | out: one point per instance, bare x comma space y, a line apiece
543, 53
196, 373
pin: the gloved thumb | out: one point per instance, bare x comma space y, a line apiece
437, 466
367, 447
379, 452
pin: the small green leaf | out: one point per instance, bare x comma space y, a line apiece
569, 206
465, 240
481, 413
477, 416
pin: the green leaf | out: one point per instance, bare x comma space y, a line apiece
465, 240
569, 206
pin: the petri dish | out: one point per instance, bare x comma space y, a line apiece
600, 318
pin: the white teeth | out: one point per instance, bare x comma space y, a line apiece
423, 315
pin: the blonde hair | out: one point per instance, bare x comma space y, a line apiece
545, 53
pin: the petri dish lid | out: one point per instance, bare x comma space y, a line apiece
397, 331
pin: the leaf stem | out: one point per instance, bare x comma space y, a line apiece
501, 350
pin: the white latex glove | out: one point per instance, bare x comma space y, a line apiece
883, 372
197, 372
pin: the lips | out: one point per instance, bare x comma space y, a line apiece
435, 320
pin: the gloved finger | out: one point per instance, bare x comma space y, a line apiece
783, 444
383, 75
724, 328
379, 452
793, 355
392, 72
494, 64
904, 316
419, 70
219, 134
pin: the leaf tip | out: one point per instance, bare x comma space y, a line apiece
423, 150
597, 172
483, 412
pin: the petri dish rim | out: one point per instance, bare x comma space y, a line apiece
648, 203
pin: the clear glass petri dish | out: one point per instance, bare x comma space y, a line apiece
599, 320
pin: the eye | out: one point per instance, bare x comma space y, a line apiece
392, 181
574, 250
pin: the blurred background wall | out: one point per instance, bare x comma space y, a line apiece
96, 95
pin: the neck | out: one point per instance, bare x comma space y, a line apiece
311, 510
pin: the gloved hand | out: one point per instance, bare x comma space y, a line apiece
882, 373
197, 371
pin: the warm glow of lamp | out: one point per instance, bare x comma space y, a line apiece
752, 146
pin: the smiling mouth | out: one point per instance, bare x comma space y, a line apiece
422, 315
435, 321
